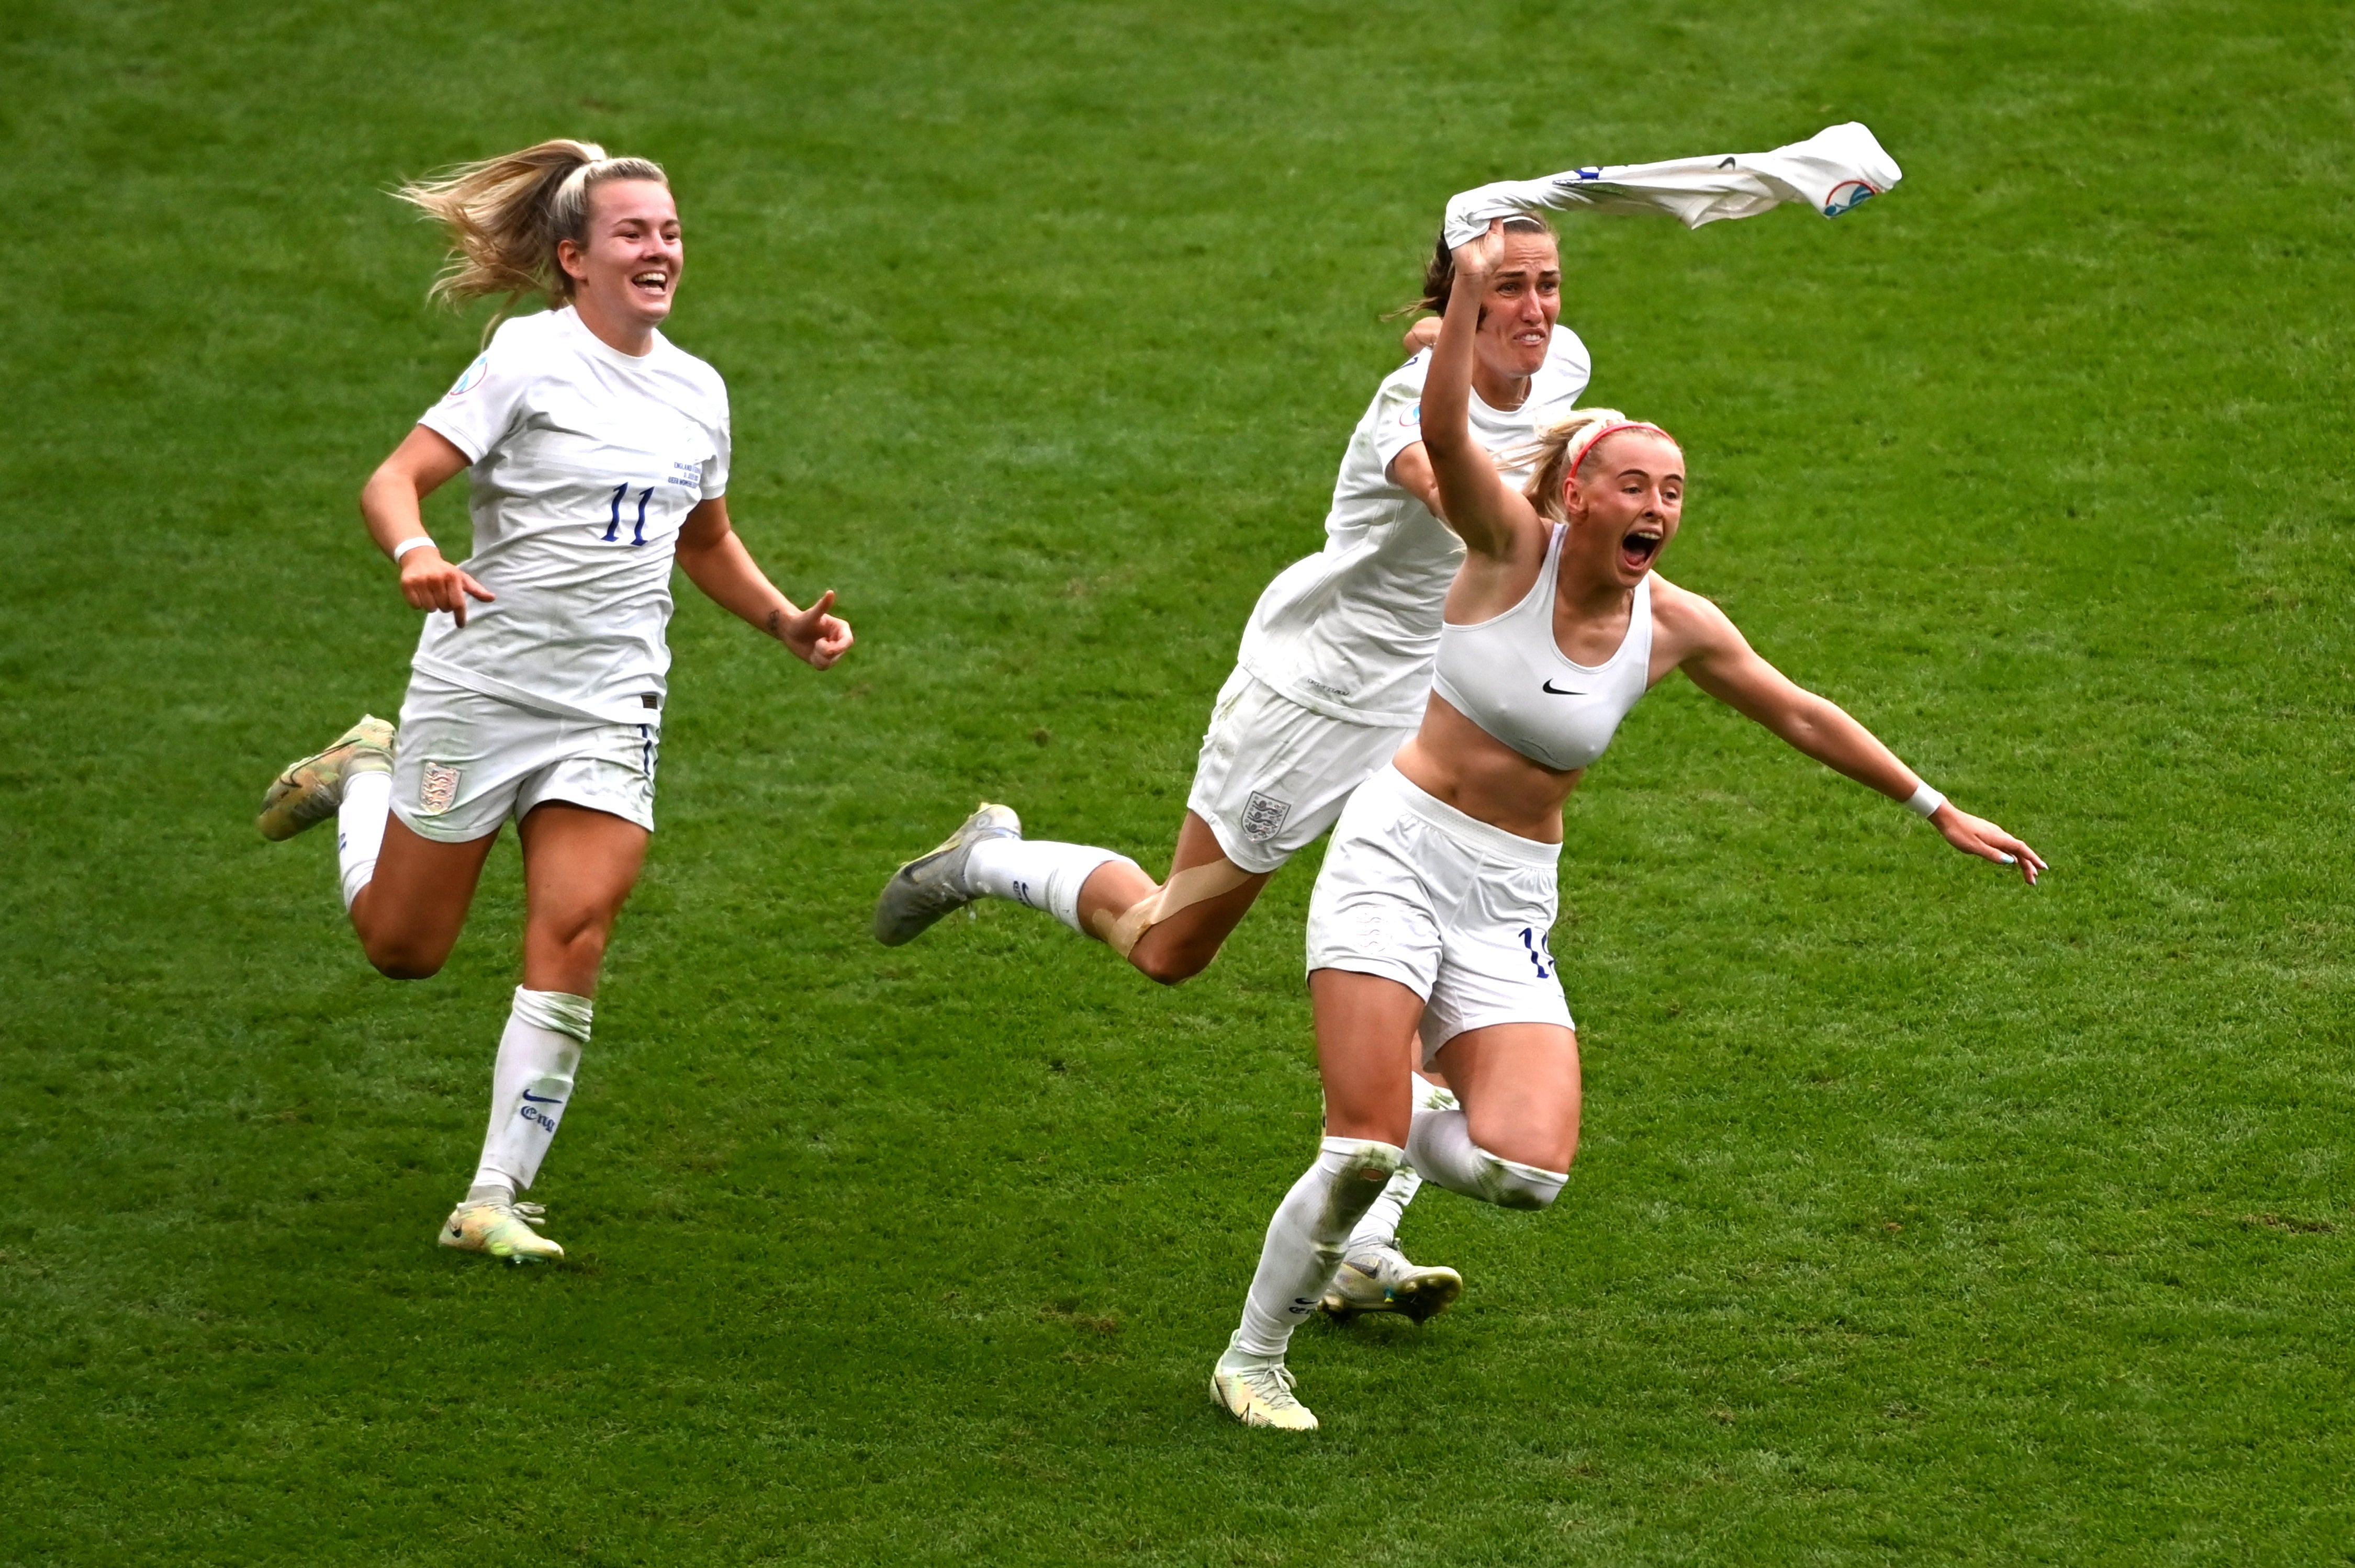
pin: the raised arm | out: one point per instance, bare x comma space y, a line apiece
1485, 513
716, 561
1712, 651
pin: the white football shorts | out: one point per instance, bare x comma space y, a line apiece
1273, 775
1452, 908
463, 763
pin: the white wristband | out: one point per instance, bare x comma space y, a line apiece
422, 541
1926, 801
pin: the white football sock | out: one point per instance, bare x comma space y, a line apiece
1303, 1244
538, 1054
1039, 873
359, 829
1439, 1143
1381, 1225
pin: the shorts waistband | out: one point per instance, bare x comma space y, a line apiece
1467, 830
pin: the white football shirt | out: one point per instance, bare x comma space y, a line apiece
1352, 631
586, 462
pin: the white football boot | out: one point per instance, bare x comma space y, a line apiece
1261, 1395
933, 884
502, 1230
1380, 1279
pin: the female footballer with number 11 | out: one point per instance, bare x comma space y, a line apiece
598, 455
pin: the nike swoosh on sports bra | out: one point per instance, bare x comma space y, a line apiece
1508, 675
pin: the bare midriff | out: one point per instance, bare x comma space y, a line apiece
1454, 760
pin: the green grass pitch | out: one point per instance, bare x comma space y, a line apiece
1920, 1218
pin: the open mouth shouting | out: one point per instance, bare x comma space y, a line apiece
1638, 547
651, 283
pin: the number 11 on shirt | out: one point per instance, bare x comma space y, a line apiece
613, 527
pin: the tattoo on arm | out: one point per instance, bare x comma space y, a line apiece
777, 624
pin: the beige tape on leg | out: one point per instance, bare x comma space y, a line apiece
1183, 889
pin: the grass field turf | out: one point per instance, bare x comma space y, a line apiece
1919, 1218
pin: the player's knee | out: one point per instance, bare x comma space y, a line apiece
404, 960
575, 943
1169, 964
584, 943
407, 969
399, 953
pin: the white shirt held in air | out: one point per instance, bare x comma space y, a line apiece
1352, 631
586, 462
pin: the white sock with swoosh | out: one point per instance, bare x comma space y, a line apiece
1302, 1249
1038, 872
538, 1054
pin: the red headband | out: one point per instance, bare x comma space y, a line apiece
1596, 441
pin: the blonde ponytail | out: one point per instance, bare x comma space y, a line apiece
1554, 456
505, 216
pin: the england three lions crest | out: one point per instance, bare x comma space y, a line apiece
438, 791
1263, 816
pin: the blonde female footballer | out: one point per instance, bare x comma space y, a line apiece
598, 455
1427, 930
1329, 682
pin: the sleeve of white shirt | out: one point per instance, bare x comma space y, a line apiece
1398, 411
1832, 171
481, 405
1568, 367
715, 473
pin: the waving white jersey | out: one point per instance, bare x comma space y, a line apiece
586, 462
1352, 631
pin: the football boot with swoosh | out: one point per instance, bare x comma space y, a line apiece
933, 884
1261, 1395
307, 790
1380, 1279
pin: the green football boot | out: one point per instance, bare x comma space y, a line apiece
502, 1230
307, 792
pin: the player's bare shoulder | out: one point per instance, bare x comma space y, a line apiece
1686, 624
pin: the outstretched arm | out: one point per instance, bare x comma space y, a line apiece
716, 561
1472, 497
1721, 662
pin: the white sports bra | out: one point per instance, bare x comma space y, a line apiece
1508, 675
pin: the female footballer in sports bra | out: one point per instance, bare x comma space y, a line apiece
1427, 928
1329, 681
